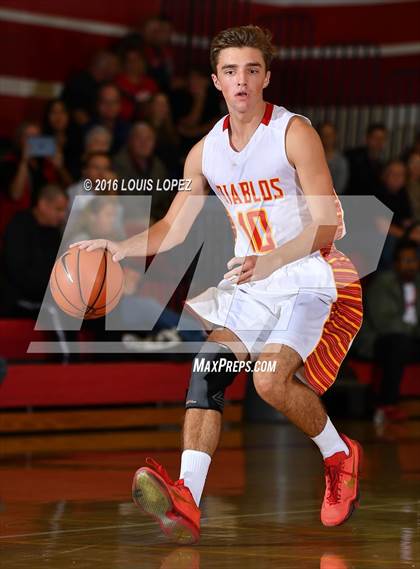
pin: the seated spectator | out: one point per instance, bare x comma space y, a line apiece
22, 175
196, 108
136, 87
412, 149
413, 183
31, 243
97, 139
100, 217
157, 36
137, 160
366, 162
81, 92
67, 138
159, 116
394, 195
393, 321
336, 161
108, 114
97, 166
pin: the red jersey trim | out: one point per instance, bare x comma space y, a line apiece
269, 107
267, 114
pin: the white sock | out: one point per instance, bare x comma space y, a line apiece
194, 467
329, 441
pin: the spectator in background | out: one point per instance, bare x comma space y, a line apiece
136, 87
137, 160
336, 161
68, 141
22, 175
393, 194
196, 108
159, 116
157, 35
97, 166
366, 162
81, 92
100, 217
413, 184
413, 149
393, 318
31, 243
97, 139
108, 114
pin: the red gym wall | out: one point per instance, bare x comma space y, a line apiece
48, 51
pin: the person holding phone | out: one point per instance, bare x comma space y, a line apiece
33, 163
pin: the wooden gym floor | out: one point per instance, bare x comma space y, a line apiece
65, 502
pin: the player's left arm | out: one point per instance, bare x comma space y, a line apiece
306, 155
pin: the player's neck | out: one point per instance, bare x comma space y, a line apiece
243, 125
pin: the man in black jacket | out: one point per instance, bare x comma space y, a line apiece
366, 162
31, 243
393, 319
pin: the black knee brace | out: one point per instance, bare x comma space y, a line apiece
211, 373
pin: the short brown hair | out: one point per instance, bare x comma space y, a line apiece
243, 36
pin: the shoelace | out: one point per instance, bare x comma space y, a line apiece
161, 470
334, 473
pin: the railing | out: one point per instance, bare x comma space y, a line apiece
349, 85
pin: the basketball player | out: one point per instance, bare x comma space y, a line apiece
289, 296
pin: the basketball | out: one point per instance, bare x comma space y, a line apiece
86, 284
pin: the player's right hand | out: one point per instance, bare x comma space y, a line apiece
116, 249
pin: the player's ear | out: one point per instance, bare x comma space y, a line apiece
267, 79
216, 81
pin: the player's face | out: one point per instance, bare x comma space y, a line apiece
241, 77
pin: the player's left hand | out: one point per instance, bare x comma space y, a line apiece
248, 269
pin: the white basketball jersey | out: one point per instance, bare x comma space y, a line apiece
258, 186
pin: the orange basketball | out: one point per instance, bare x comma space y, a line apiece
86, 284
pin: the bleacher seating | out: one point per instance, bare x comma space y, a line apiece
367, 374
15, 337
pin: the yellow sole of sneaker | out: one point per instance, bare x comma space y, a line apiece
153, 499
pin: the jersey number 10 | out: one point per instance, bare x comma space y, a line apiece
258, 230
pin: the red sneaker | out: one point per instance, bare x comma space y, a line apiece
170, 503
331, 561
342, 484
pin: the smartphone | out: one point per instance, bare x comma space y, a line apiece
41, 146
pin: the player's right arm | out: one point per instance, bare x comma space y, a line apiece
173, 228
